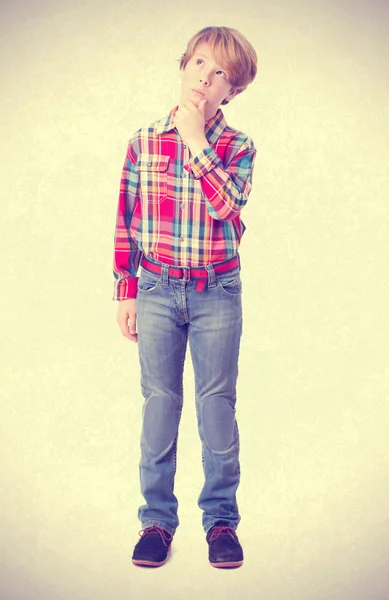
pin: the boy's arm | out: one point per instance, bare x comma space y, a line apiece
226, 187
126, 252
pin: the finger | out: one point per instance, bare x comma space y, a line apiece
132, 324
124, 330
123, 326
133, 337
132, 327
201, 106
189, 105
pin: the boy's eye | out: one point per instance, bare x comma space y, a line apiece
199, 61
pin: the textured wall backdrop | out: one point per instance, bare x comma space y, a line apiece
77, 79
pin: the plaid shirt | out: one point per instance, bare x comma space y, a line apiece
180, 209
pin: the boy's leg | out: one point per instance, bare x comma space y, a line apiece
162, 340
214, 336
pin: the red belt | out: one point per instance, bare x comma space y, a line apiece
199, 273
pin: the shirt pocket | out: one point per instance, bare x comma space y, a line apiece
153, 173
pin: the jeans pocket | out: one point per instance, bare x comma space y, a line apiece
147, 282
230, 284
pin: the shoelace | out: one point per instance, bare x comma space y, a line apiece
165, 535
219, 530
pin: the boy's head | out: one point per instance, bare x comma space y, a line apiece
220, 63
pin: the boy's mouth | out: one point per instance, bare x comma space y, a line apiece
198, 92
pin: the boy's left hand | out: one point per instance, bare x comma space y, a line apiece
190, 121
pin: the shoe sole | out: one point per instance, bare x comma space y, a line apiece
149, 563
227, 565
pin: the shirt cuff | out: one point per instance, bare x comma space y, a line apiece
203, 163
126, 288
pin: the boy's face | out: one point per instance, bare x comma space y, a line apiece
204, 78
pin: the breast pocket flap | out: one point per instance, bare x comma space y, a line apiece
152, 162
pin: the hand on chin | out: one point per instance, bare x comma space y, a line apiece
195, 98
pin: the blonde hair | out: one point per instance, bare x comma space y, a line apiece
233, 52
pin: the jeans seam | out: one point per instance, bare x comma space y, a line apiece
171, 483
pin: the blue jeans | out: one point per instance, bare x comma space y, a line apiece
169, 313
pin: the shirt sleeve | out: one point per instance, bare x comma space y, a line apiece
226, 187
126, 253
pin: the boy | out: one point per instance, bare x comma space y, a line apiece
184, 182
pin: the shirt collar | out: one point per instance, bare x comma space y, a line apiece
214, 127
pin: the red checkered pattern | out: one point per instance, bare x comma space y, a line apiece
180, 209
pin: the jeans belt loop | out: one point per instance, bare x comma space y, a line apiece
165, 275
211, 276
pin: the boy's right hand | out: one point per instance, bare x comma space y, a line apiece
126, 318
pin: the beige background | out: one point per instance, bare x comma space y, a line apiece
78, 78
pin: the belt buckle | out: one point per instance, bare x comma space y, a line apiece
186, 273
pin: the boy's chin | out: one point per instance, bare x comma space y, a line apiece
195, 98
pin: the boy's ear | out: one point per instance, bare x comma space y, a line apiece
232, 94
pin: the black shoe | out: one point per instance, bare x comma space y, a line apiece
225, 550
153, 547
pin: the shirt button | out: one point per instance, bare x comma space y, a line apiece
182, 205
184, 146
149, 163
181, 238
183, 174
